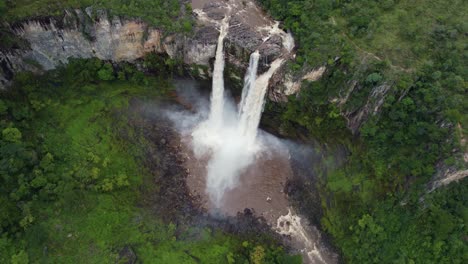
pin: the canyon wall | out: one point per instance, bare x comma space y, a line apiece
86, 33
94, 33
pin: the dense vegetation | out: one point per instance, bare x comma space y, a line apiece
378, 209
165, 14
71, 175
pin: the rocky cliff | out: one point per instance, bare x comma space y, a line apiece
79, 34
94, 33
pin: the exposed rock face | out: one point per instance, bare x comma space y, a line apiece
442, 178
372, 106
202, 47
290, 85
249, 30
446, 174
285, 84
116, 40
80, 35
92, 33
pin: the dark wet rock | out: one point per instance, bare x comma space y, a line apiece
213, 6
243, 35
216, 15
206, 35
166, 194
271, 49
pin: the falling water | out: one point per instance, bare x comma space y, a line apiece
288, 42
231, 144
251, 109
226, 137
291, 225
217, 96
249, 79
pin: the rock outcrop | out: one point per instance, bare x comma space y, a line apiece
286, 84
94, 33
89, 33
443, 178
372, 106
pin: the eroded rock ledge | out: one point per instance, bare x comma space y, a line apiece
94, 33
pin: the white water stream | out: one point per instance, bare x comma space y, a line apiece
251, 110
217, 96
249, 79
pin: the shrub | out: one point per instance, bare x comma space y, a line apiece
3, 108
373, 78
11, 134
106, 73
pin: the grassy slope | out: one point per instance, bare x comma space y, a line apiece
78, 129
401, 34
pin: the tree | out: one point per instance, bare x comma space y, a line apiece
12, 134
257, 255
20, 258
187, 26
373, 78
3, 107
47, 162
106, 73
2, 7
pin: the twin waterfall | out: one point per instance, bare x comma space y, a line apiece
228, 138
253, 93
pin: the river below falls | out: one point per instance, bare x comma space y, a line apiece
260, 188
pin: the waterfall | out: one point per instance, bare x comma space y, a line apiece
228, 137
288, 42
217, 95
251, 110
249, 79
